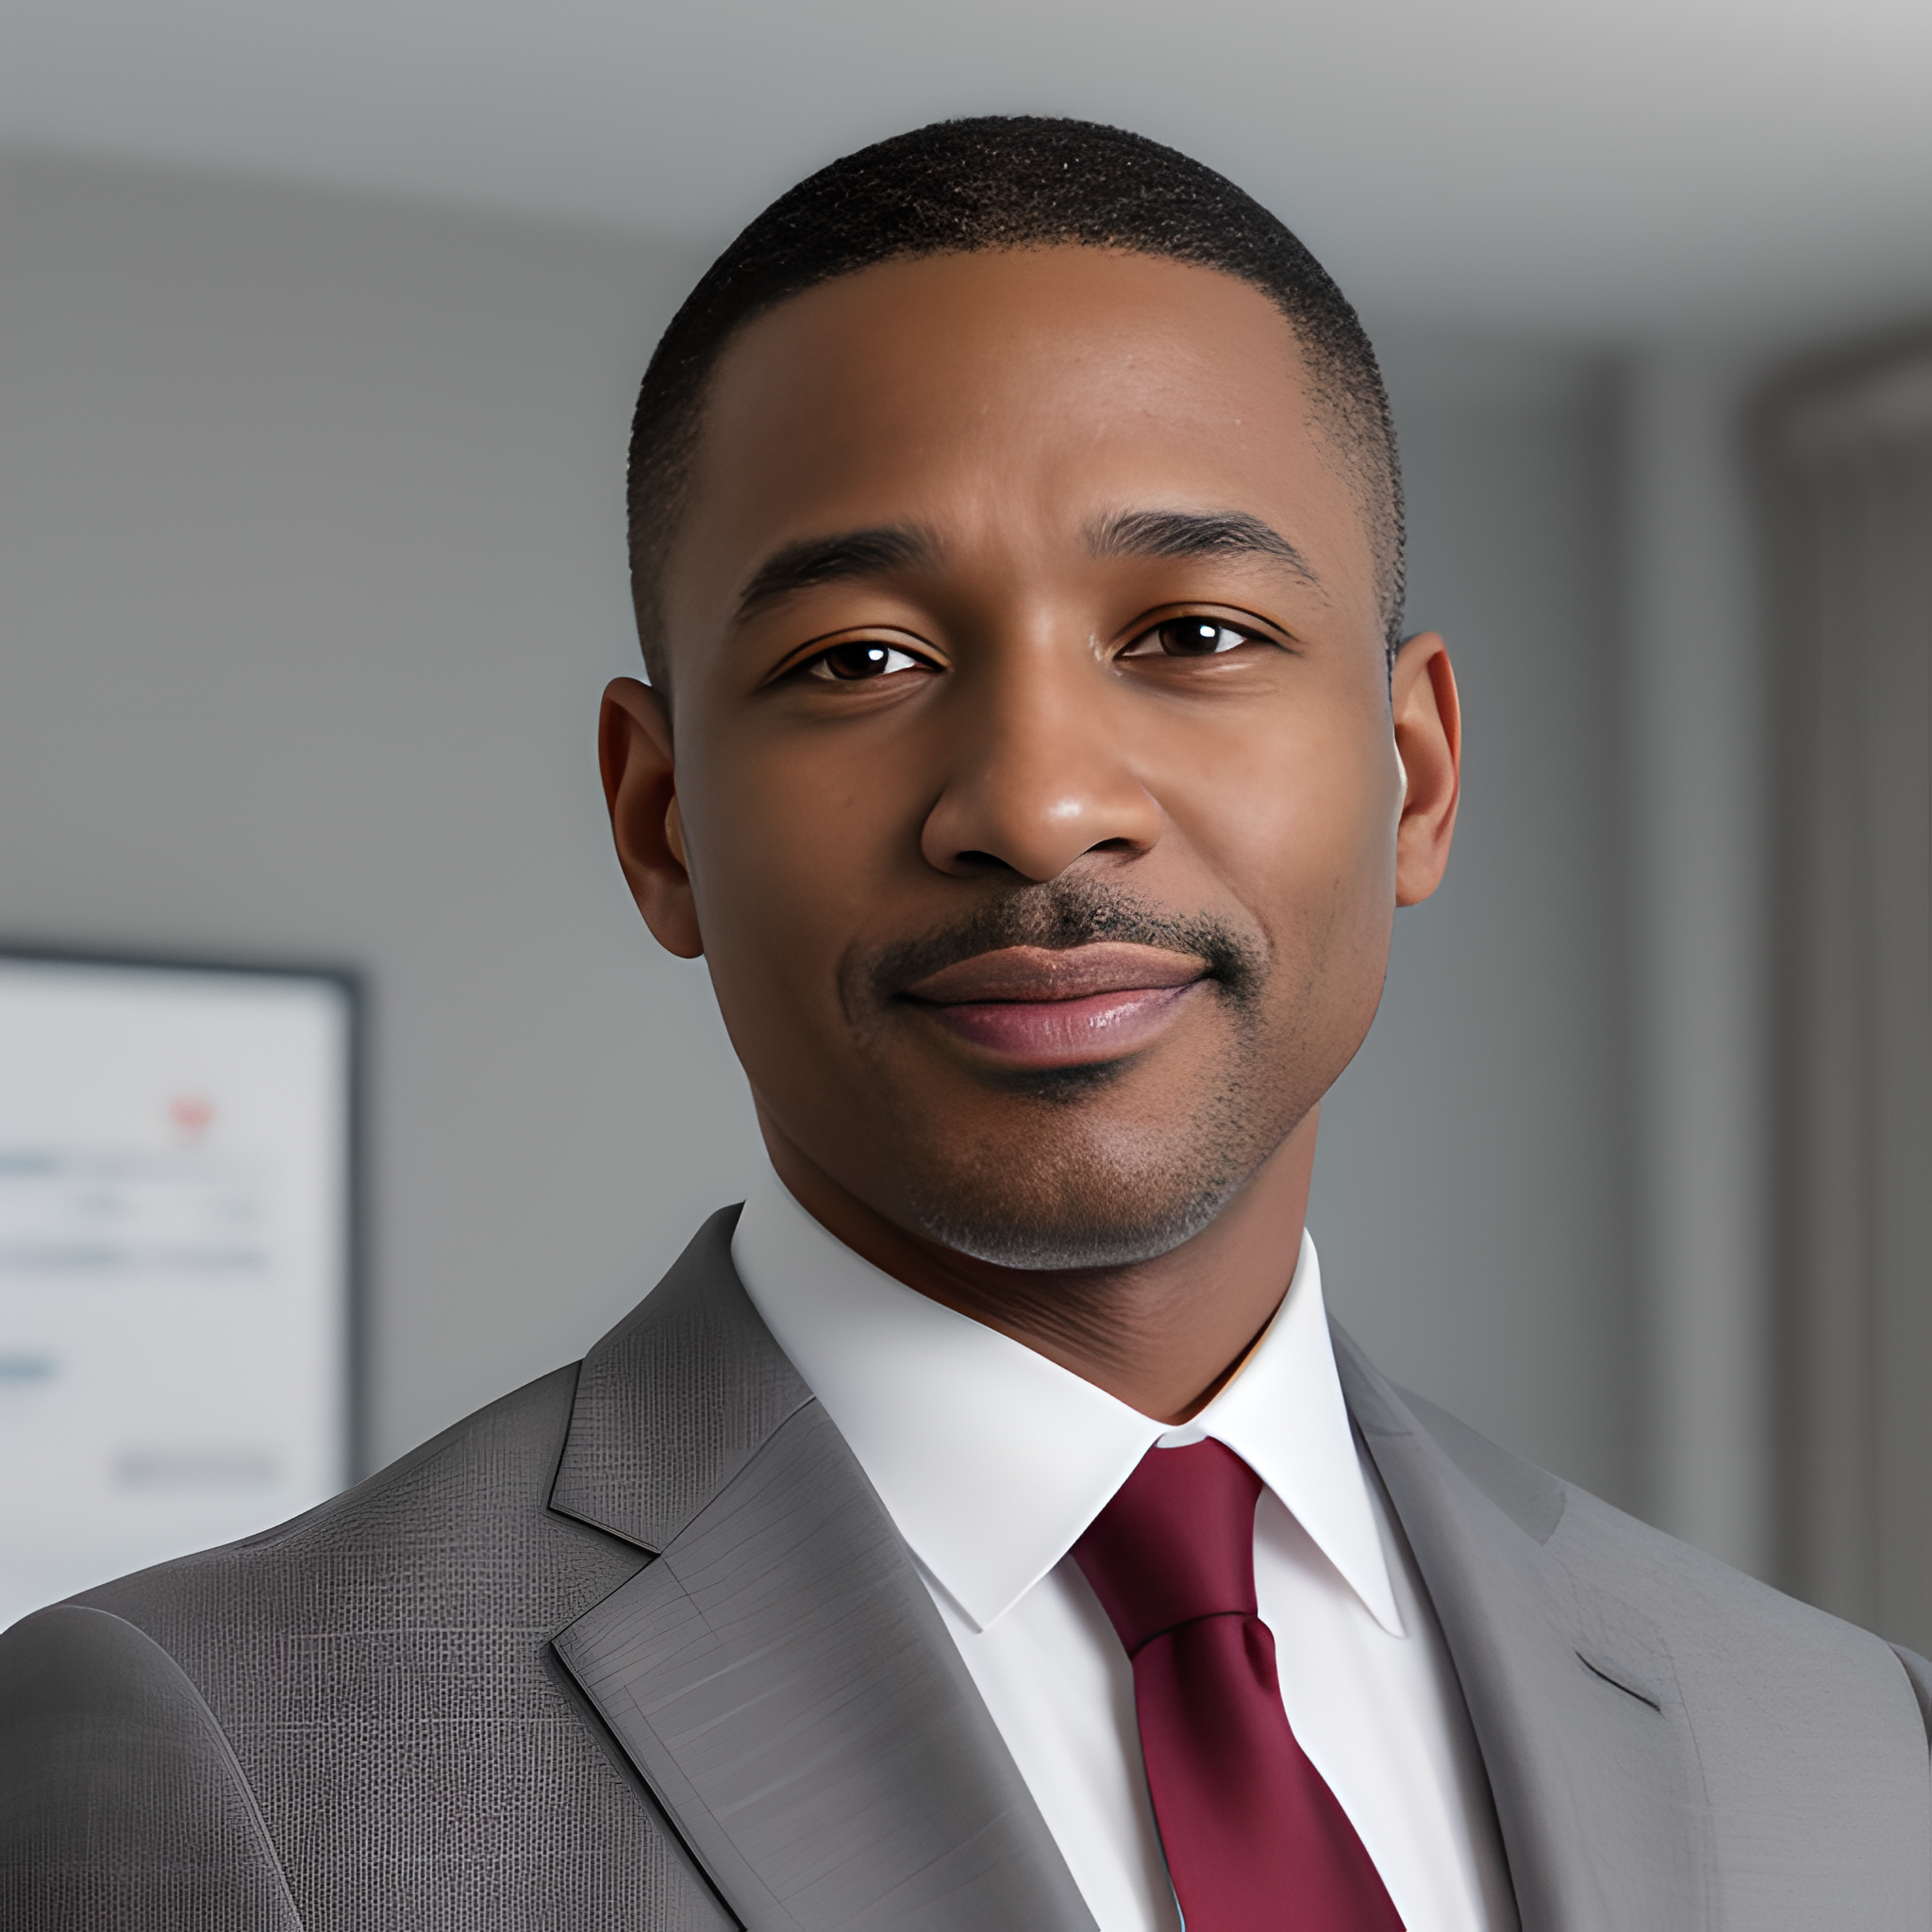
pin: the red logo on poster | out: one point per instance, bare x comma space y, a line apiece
191, 1114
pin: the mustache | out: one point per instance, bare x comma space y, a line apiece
1057, 916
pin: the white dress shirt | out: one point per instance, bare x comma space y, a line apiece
992, 1460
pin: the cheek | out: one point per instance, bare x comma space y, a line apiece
780, 857
1321, 865
1299, 823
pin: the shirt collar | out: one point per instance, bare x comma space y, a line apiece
991, 1460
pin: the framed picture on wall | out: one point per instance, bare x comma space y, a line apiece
178, 1216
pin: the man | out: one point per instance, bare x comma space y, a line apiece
985, 1529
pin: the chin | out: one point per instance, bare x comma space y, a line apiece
1084, 1202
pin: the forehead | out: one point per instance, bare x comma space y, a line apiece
1014, 395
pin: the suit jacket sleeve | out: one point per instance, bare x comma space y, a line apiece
122, 1805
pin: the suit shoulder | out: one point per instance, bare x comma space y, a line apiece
1724, 1627
380, 1672
1918, 1675
456, 1533
1731, 1639
121, 1802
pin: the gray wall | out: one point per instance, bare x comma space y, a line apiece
1471, 1196
309, 576
312, 575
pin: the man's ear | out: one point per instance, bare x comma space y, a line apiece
641, 788
1429, 741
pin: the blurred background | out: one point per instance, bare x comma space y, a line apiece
319, 329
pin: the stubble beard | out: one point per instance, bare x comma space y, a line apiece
1067, 1192
1071, 1179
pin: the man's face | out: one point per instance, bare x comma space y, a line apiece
1034, 772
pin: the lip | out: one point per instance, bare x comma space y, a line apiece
1034, 1008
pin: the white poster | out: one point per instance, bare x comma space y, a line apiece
174, 1262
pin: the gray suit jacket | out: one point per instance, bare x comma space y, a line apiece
637, 1647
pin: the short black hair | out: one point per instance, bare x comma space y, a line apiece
999, 181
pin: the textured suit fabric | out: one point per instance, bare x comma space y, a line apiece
789, 1605
381, 1680
377, 1672
1670, 1744
101, 1717
636, 1647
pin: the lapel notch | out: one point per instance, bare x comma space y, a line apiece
1573, 1697
675, 1400
779, 1674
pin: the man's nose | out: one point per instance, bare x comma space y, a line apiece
1037, 773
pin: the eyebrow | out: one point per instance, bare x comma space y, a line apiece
1195, 533
870, 553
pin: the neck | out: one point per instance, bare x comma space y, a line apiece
1161, 1335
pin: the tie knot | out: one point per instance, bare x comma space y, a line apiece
1177, 1543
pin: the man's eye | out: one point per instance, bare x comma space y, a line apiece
850, 664
1188, 637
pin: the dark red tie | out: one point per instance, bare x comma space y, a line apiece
1255, 1838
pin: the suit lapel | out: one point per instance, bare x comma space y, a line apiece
779, 1676
781, 1680
1573, 1697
